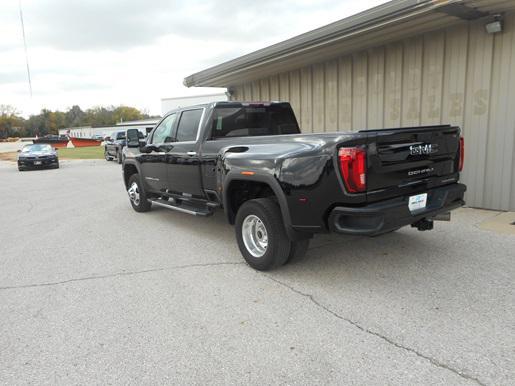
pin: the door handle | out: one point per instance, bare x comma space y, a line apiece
191, 153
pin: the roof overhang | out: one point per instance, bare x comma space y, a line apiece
389, 22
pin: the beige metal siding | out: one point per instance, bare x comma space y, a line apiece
274, 88
306, 99
345, 94
284, 87
455, 64
499, 182
256, 91
359, 90
412, 82
318, 100
295, 92
432, 76
265, 89
393, 85
460, 75
375, 105
477, 106
331, 96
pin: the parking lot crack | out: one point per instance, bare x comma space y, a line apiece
117, 274
386, 339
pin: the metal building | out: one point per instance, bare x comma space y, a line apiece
404, 63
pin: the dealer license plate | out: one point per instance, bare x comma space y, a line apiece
37, 162
417, 202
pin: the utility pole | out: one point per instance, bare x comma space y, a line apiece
25, 47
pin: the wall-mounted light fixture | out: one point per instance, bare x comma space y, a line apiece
229, 93
494, 26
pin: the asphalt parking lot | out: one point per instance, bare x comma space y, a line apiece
93, 292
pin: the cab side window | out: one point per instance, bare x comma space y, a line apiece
188, 125
163, 132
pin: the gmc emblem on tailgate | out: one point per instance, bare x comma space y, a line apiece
426, 148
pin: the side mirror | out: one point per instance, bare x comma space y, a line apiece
132, 138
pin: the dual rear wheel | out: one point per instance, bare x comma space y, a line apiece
262, 237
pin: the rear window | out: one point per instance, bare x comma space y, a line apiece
245, 121
188, 125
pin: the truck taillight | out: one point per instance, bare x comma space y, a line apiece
353, 166
462, 154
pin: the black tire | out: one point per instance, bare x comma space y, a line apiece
56, 166
119, 156
278, 246
298, 250
141, 205
20, 169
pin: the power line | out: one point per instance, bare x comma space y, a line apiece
25, 46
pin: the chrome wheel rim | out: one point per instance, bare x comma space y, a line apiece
255, 236
133, 192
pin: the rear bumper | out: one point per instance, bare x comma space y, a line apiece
384, 216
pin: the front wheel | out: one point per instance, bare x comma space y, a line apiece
261, 235
137, 195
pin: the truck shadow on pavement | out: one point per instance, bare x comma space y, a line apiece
330, 252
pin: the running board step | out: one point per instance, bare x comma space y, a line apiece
183, 207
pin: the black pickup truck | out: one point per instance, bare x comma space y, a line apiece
280, 186
114, 145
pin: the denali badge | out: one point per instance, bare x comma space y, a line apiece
420, 171
426, 148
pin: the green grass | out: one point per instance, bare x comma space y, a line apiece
90, 152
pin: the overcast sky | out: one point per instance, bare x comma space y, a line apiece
112, 52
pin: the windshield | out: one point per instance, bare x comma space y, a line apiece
121, 135
36, 148
253, 120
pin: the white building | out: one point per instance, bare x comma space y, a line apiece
144, 125
168, 104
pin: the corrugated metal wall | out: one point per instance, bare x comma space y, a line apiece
460, 75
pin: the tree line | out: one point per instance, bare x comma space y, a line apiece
12, 124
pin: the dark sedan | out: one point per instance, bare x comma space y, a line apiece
40, 155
